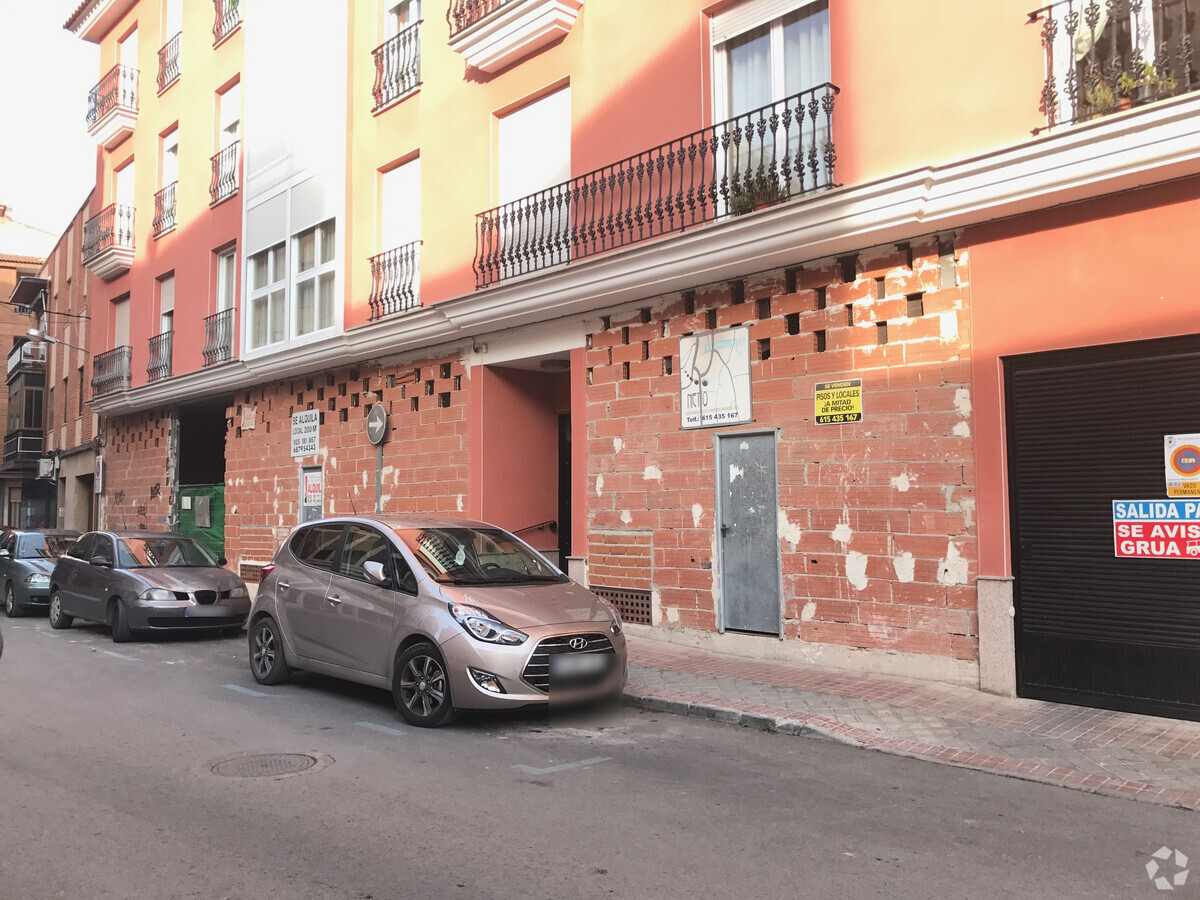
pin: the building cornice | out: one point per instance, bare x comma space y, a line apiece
1118, 153
93, 19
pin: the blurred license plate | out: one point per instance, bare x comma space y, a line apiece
576, 663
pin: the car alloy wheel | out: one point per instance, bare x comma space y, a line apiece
58, 618
10, 603
267, 663
421, 688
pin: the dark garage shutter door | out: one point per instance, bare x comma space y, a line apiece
1086, 427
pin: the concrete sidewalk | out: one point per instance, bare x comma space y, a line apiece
1122, 754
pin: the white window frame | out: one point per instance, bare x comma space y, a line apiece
273, 290
226, 283
166, 303
168, 149
229, 115
324, 243
400, 14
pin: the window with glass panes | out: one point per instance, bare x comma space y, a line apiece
312, 303
268, 291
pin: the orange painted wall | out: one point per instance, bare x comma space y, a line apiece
192, 103
1093, 273
917, 88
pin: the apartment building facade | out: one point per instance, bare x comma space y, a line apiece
776, 321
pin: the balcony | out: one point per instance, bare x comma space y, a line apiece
108, 242
1107, 56
29, 356
110, 371
396, 280
159, 366
113, 106
22, 449
164, 210
229, 17
492, 34
397, 67
168, 63
774, 154
218, 338
225, 179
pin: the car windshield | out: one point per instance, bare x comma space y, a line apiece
43, 546
138, 553
463, 555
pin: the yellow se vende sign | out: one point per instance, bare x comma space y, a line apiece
838, 402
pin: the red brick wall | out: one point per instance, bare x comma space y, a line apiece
620, 559
137, 475
425, 458
877, 538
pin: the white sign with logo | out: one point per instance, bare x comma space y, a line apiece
306, 432
314, 487
1182, 461
714, 378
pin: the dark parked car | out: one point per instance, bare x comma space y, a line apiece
448, 614
146, 581
26, 560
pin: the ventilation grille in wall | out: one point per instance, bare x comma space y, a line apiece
634, 606
251, 573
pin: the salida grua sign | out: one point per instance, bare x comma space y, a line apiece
714, 378
1157, 529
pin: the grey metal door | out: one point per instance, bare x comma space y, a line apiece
748, 538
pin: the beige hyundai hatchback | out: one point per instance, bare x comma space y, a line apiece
447, 614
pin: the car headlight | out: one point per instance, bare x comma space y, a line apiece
238, 593
37, 578
615, 627
482, 626
157, 594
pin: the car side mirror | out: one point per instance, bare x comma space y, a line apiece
221, 561
4, 554
375, 572
101, 561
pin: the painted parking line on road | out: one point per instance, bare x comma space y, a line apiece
247, 691
384, 728
530, 770
121, 655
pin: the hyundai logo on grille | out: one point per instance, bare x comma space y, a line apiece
578, 643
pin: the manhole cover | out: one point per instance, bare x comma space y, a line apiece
265, 764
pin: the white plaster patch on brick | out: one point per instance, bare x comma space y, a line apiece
618, 445
655, 606
856, 569
387, 471
332, 507
966, 505
962, 429
949, 326
652, 473
599, 485
364, 478
626, 516
901, 482
735, 473
697, 514
842, 533
953, 569
672, 615
255, 479
458, 503
277, 484
962, 401
810, 610
905, 566
233, 510
275, 506
787, 530
384, 500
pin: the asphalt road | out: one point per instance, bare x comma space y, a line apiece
107, 789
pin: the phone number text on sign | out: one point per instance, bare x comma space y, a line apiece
1156, 529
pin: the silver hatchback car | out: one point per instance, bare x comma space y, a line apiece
447, 614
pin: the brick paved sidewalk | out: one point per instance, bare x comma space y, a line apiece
1122, 754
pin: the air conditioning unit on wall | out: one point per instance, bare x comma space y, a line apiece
45, 467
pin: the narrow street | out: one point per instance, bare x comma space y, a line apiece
107, 757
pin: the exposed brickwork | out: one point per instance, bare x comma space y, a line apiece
876, 519
425, 458
619, 559
137, 475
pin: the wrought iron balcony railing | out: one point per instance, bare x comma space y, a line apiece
30, 355
397, 66
22, 446
168, 62
224, 182
218, 337
1104, 56
117, 89
112, 229
462, 14
159, 366
396, 280
775, 153
110, 371
164, 209
229, 17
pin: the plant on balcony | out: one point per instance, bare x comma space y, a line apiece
754, 195
1145, 84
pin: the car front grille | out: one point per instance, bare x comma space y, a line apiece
537, 670
206, 598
